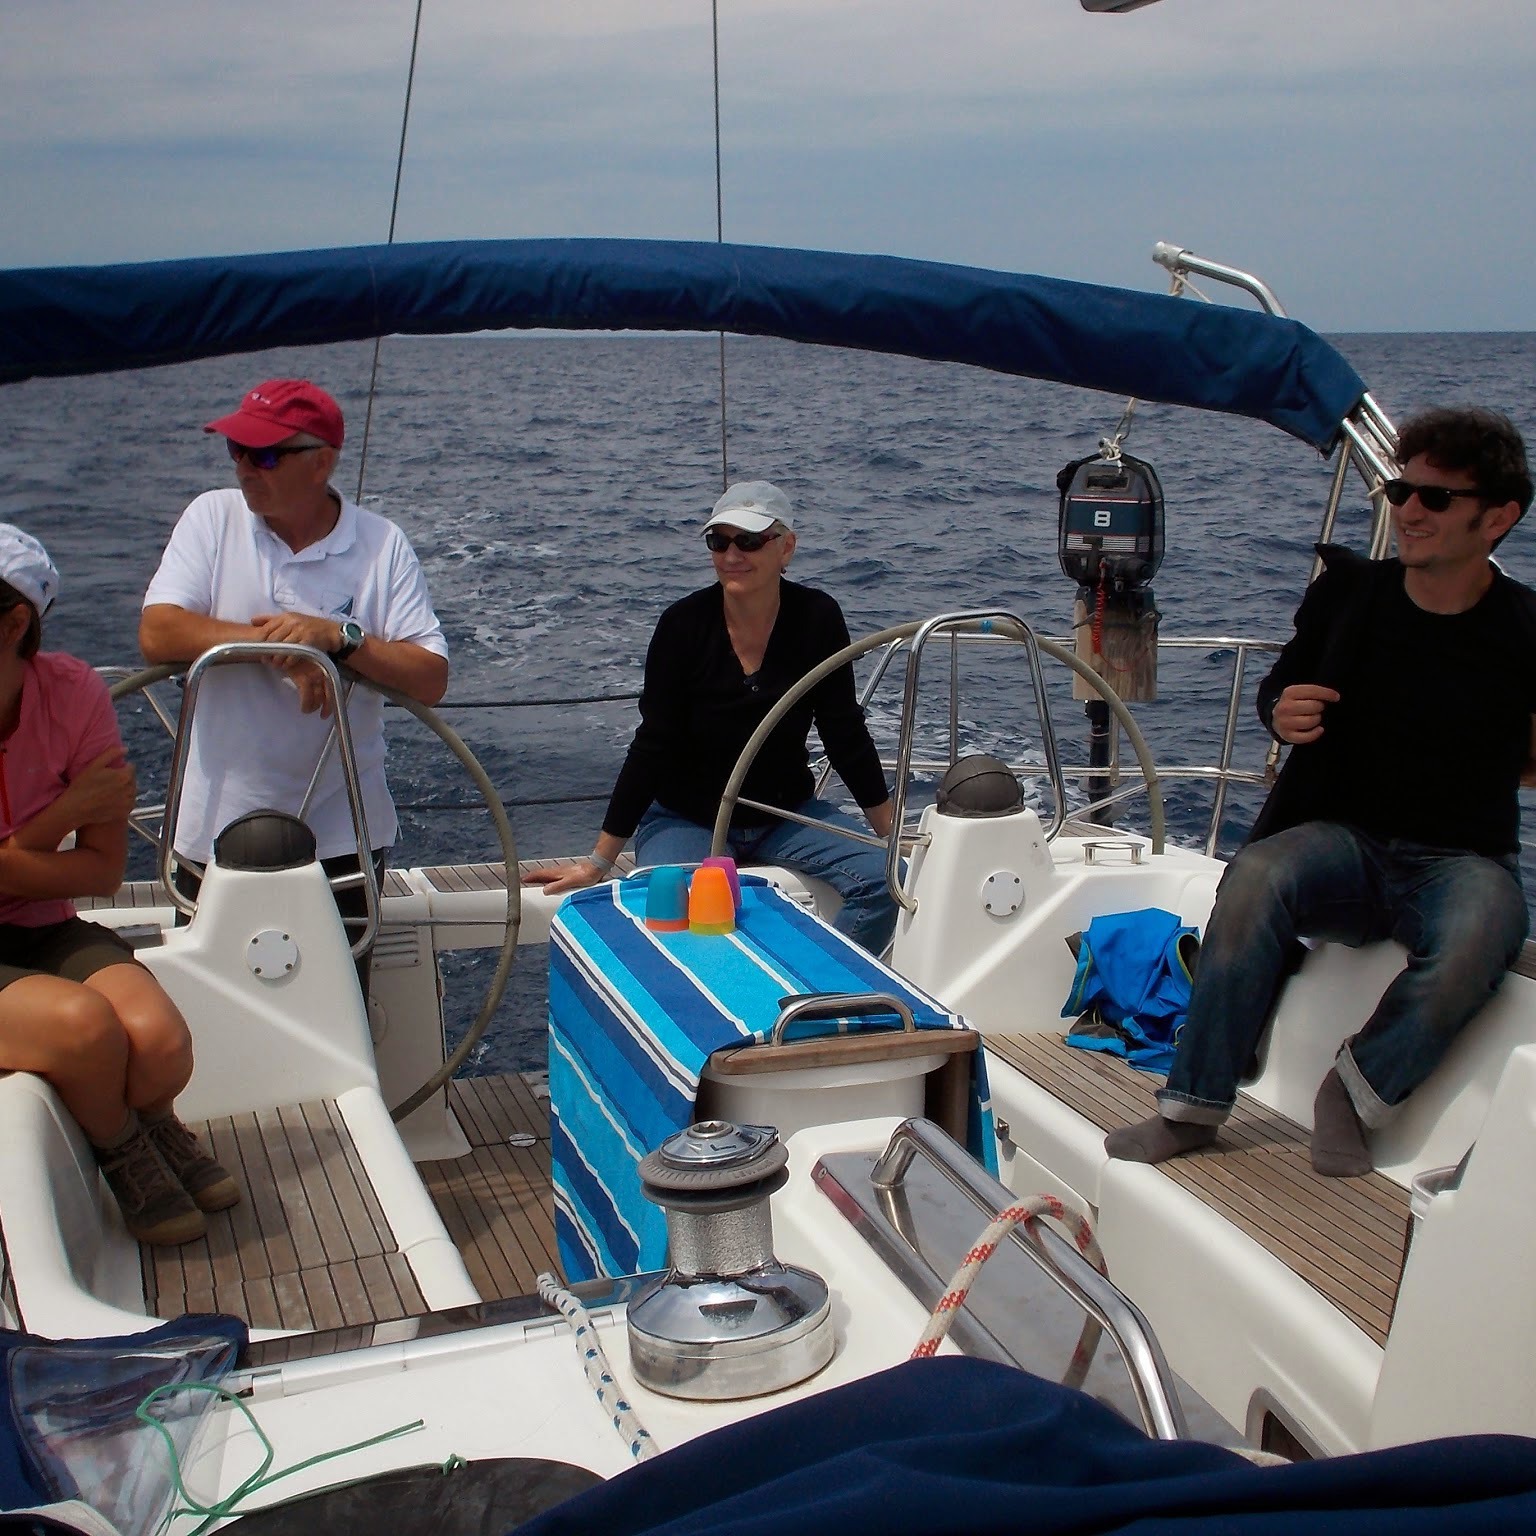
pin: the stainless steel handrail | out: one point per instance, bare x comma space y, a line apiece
838, 1005
1151, 1380
950, 624
1221, 772
1006, 626
238, 652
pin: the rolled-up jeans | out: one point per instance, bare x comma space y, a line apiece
1461, 917
856, 871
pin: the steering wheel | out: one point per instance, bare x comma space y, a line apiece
143, 680
1004, 626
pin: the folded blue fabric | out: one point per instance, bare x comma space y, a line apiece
634, 1015
1131, 990
955, 1444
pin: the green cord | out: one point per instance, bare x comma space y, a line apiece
259, 1478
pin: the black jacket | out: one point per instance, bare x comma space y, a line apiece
1349, 615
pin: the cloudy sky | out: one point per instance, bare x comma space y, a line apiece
1372, 159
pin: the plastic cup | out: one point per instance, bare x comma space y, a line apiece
666, 899
728, 864
710, 908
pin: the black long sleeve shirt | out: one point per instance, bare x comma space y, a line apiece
1433, 724
698, 710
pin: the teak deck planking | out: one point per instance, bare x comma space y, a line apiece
308, 1246
1345, 1237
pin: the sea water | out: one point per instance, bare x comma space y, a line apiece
554, 488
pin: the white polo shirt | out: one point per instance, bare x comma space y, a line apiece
252, 747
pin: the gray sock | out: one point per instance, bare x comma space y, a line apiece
129, 1131
1157, 1139
1339, 1150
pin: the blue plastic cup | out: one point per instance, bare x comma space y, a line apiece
666, 899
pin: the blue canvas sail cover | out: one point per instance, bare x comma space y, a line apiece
74, 320
955, 1444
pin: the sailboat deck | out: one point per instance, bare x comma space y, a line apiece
309, 1247
1345, 1237
497, 1201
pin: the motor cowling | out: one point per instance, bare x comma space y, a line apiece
1110, 527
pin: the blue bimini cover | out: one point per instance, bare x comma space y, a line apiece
1131, 990
73, 320
949, 1445
633, 1016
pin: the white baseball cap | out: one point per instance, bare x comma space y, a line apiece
754, 506
24, 563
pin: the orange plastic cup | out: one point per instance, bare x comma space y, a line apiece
711, 909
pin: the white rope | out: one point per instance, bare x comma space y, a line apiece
595, 1363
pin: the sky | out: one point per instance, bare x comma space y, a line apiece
1370, 159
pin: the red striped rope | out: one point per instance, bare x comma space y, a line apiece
959, 1288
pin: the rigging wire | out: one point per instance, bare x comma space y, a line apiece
394, 210
714, 25
1109, 447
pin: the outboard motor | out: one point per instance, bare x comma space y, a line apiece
1110, 542
727, 1320
1110, 530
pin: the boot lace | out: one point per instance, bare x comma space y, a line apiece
177, 1144
137, 1171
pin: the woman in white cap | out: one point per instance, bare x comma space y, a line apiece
717, 663
76, 1008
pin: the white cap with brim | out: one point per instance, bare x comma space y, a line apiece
754, 506
24, 563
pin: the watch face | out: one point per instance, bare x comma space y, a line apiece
352, 637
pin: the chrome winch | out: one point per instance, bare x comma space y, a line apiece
727, 1319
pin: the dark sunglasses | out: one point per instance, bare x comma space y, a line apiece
265, 458
1433, 498
718, 541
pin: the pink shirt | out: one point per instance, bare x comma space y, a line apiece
66, 723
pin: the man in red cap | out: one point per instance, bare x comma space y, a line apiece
287, 557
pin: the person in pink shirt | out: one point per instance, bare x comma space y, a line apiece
76, 1008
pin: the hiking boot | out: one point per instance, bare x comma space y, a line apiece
209, 1185
156, 1209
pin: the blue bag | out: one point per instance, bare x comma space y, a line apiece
68, 1435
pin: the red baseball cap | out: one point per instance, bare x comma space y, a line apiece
279, 408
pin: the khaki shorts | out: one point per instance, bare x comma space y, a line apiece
73, 949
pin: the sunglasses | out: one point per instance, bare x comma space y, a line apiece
717, 542
265, 458
1433, 498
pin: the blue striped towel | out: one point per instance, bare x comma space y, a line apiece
634, 1015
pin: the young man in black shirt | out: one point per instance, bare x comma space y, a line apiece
1408, 695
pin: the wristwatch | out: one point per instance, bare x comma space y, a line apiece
352, 637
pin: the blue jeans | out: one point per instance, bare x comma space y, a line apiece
854, 870
1461, 917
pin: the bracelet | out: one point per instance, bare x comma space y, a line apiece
603, 866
